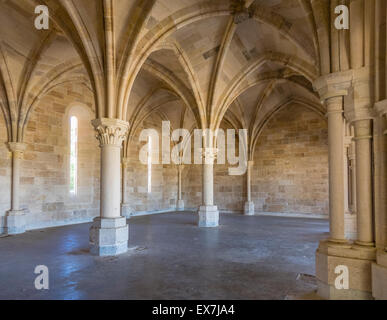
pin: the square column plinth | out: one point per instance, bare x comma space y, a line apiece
379, 276
331, 258
15, 222
208, 216
249, 208
109, 236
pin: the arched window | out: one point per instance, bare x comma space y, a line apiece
73, 154
149, 164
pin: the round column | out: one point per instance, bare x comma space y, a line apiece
249, 205
208, 212
15, 222
208, 177
363, 136
336, 168
125, 207
180, 201
109, 232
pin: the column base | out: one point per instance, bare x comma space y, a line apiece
126, 210
249, 208
180, 205
208, 216
109, 236
379, 276
15, 222
358, 260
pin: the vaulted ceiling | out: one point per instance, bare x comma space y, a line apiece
198, 62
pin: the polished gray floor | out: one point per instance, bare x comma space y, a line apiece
169, 258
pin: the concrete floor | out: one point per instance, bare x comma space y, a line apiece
170, 258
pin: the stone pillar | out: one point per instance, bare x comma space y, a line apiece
249, 205
379, 269
349, 214
363, 136
350, 217
208, 212
109, 232
126, 210
180, 201
336, 168
15, 221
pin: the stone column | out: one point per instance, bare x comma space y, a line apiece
379, 269
336, 168
208, 212
332, 88
15, 221
125, 207
180, 201
249, 205
352, 159
109, 232
363, 136
349, 215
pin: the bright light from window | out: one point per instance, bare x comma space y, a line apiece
149, 165
73, 155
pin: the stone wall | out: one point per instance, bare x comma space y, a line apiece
164, 184
44, 180
290, 172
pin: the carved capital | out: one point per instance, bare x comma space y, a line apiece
110, 131
17, 148
359, 114
209, 155
333, 85
381, 108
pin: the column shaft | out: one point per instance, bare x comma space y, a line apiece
364, 182
179, 182
208, 184
249, 181
16, 155
336, 168
110, 181
124, 179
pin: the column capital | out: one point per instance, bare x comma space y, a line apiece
17, 146
381, 108
333, 84
209, 155
250, 163
110, 131
359, 114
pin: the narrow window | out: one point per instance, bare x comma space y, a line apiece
149, 165
73, 155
